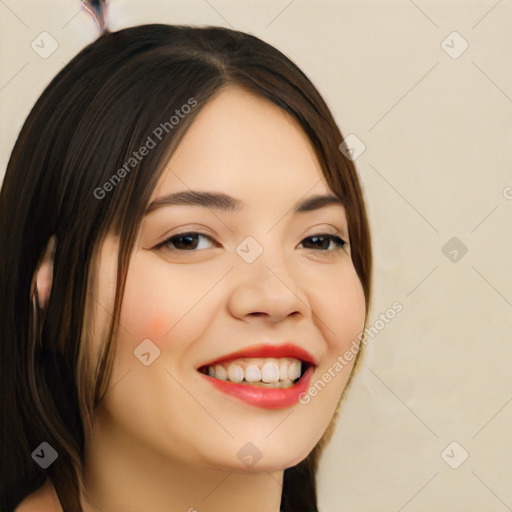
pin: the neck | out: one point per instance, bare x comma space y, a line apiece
122, 474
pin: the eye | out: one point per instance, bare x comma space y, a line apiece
187, 242
323, 242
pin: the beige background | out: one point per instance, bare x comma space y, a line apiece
437, 165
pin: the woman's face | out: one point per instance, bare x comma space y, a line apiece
253, 276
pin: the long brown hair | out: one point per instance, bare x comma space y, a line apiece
95, 113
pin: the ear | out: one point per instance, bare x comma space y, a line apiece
44, 274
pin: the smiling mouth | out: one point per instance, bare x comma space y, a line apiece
259, 372
268, 376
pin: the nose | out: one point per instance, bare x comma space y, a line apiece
267, 288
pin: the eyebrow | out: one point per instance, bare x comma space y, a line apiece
225, 202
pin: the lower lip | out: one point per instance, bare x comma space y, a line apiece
267, 398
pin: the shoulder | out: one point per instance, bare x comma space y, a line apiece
43, 500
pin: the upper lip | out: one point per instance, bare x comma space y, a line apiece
287, 349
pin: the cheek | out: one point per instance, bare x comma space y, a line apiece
341, 306
145, 312
161, 304
158, 324
151, 305
339, 314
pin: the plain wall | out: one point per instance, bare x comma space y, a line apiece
436, 170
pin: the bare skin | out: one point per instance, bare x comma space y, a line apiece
163, 438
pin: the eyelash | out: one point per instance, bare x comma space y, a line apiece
339, 242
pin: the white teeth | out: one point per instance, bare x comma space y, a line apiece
270, 372
252, 373
283, 371
220, 372
235, 373
294, 370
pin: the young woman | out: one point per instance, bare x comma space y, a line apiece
185, 257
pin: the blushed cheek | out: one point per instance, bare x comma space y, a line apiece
141, 321
144, 306
158, 325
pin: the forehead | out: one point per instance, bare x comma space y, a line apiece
244, 144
